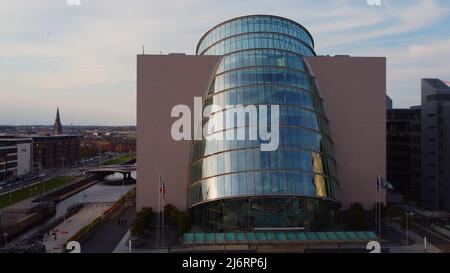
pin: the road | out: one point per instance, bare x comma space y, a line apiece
106, 237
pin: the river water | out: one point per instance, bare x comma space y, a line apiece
109, 190
106, 191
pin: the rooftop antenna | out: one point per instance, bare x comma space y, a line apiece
143, 50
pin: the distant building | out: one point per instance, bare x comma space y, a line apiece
58, 151
57, 127
403, 151
16, 157
92, 147
388, 102
435, 144
418, 147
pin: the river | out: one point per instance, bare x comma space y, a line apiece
108, 190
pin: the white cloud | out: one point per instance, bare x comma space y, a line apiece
406, 65
50, 51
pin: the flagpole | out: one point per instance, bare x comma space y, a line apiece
375, 215
380, 187
163, 192
378, 204
159, 209
377, 210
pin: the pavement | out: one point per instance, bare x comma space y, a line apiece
124, 247
439, 240
106, 237
417, 247
72, 225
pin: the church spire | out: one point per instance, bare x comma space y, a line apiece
57, 127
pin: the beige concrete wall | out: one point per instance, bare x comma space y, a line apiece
164, 81
354, 93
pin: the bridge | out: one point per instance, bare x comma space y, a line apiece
125, 170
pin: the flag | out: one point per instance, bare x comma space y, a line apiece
162, 187
383, 184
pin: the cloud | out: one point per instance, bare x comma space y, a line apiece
84, 58
367, 23
407, 64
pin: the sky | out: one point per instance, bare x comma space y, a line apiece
83, 58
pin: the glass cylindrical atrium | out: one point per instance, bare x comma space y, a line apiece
233, 184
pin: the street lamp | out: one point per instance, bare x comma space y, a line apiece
407, 231
84, 197
5, 235
10, 189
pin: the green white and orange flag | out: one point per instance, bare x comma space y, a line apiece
162, 187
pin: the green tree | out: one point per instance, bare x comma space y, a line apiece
171, 213
147, 214
138, 226
356, 215
142, 221
382, 207
183, 222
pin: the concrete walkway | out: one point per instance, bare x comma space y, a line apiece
105, 238
72, 225
418, 247
123, 247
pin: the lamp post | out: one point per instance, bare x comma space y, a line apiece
5, 235
10, 190
84, 199
407, 230
8, 178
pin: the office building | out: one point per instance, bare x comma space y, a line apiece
419, 145
404, 152
16, 157
234, 184
57, 151
435, 139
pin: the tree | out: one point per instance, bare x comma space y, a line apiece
356, 215
147, 214
142, 221
138, 226
382, 208
183, 222
171, 213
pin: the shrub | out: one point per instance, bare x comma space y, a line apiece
356, 215
183, 222
171, 213
142, 221
382, 209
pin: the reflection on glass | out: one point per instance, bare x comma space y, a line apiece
233, 185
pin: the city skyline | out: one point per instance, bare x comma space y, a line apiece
83, 58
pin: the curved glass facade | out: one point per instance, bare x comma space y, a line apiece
233, 185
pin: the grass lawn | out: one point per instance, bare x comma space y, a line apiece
120, 160
35, 190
